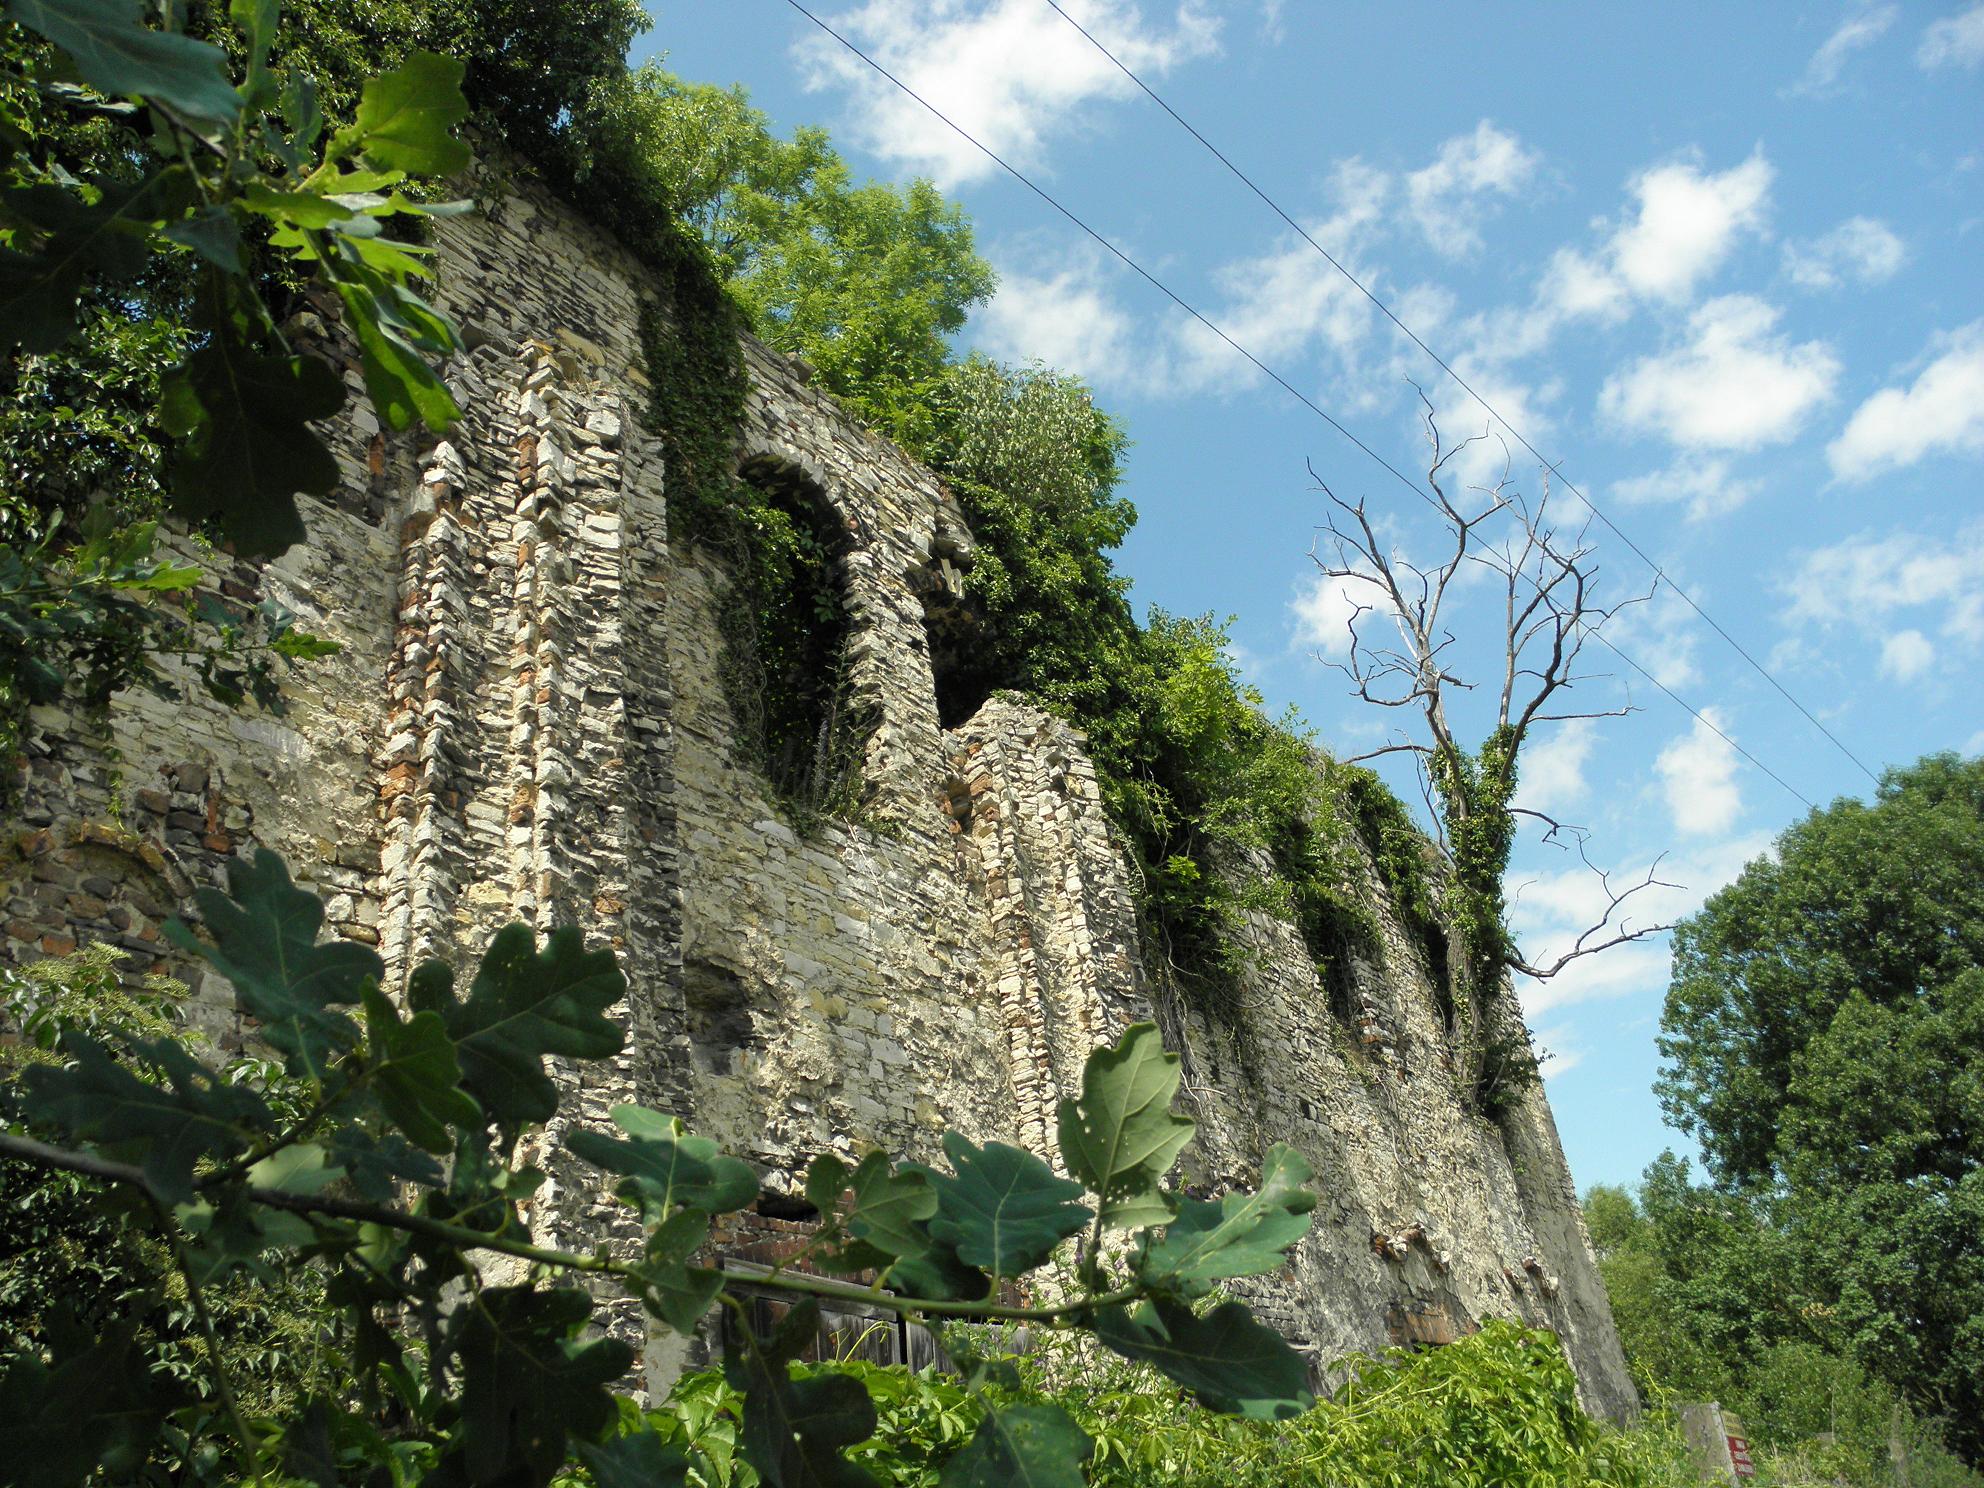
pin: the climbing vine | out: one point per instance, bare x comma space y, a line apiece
785, 624
1475, 792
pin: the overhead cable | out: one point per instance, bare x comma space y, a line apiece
1267, 371
1441, 362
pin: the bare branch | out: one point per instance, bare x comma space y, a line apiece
1588, 943
1371, 754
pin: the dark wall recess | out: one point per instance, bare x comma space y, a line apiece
959, 656
792, 691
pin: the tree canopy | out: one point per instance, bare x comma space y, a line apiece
1866, 914
1825, 1032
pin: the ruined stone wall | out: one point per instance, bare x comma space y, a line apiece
530, 719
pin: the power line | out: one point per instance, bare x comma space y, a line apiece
1172, 295
1441, 362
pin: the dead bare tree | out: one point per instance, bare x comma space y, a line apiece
1402, 656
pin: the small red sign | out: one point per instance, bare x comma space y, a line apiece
1739, 1457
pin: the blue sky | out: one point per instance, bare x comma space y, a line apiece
1724, 263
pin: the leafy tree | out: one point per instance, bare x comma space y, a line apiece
1035, 464
1878, 903
1823, 1033
865, 281
1717, 1297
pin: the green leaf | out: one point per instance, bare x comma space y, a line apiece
640, 1459
936, 1273
74, 241
1241, 1235
294, 208
247, 447
674, 1291
301, 111
377, 1165
666, 1168
96, 1403
1005, 1209
167, 1125
826, 1181
1024, 1446
396, 333
524, 1005
256, 20
264, 931
527, 1382
416, 1077
301, 645
794, 1430
888, 1206
300, 1168
212, 233
405, 118
1120, 1137
1229, 1361
116, 53
885, 1218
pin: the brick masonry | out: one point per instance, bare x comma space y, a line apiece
527, 721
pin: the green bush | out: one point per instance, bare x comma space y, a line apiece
1496, 1410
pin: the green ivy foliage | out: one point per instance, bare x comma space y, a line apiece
1497, 1408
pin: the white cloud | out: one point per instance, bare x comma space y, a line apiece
1007, 72
1907, 655
1859, 248
1662, 635
1683, 224
1698, 776
1548, 911
1942, 411
1706, 485
1867, 579
1852, 34
1574, 285
1067, 320
1954, 41
1324, 607
1553, 778
1447, 197
1736, 383
1687, 224
1287, 302
1563, 1055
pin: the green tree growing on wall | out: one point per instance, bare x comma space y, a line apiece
1402, 657
865, 281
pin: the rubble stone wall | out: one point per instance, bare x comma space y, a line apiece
529, 719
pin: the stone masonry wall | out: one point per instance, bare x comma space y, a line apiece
529, 721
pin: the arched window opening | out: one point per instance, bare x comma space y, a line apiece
1434, 940
959, 658
794, 694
